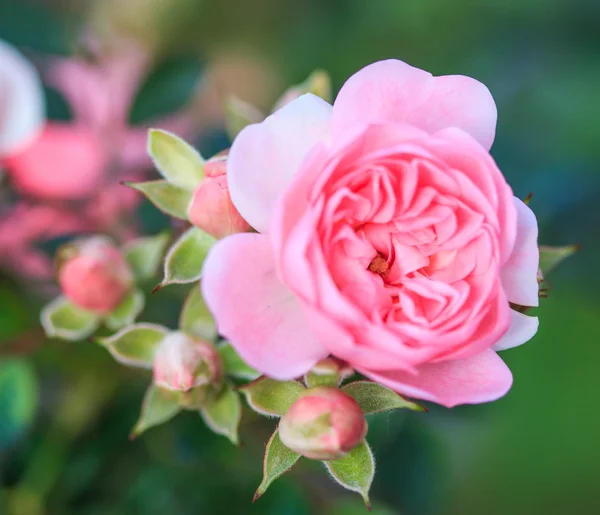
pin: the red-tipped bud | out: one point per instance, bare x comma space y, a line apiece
324, 423
211, 208
183, 362
94, 275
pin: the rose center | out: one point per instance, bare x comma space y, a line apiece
380, 266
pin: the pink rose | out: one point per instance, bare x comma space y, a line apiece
94, 275
211, 208
388, 238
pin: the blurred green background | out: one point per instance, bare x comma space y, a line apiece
66, 409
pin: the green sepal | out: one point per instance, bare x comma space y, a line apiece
239, 114
144, 255
224, 413
375, 398
176, 160
195, 318
61, 319
127, 311
328, 372
355, 471
185, 258
277, 461
135, 345
170, 199
235, 366
270, 397
160, 405
551, 257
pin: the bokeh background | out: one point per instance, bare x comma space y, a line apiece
66, 409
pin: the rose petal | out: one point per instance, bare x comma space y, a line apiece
522, 329
480, 378
393, 91
519, 273
258, 314
21, 100
265, 156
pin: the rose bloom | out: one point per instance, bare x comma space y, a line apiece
387, 237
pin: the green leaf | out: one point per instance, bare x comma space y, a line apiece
61, 319
318, 83
277, 461
270, 397
239, 114
355, 471
185, 259
234, 365
195, 317
170, 199
374, 398
551, 257
126, 312
223, 414
144, 255
18, 399
159, 406
176, 160
136, 344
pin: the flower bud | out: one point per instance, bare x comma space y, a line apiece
211, 208
324, 423
183, 362
93, 274
65, 162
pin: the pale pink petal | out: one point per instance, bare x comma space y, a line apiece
522, 329
480, 378
257, 313
265, 156
393, 91
519, 273
21, 100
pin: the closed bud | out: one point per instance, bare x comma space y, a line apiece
211, 208
324, 423
93, 274
183, 362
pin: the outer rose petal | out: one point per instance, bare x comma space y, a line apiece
519, 273
522, 329
257, 313
393, 91
265, 156
480, 378
21, 100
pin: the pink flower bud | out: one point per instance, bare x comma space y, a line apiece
183, 362
212, 209
65, 162
324, 423
94, 275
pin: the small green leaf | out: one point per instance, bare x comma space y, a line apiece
18, 399
195, 317
144, 255
355, 471
551, 257
184, 260
239, 114
270, 397
160, 405
176, 160
167, 197
126, 312
234, 365
318, 83
374, 398
61, 319
277, 461
136, 344
223, 414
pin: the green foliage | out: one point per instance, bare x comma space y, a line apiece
375, 398
167, 197
160, 405
126, 312
234, 365
144, 255
270, 397
239, 114
185, 258
223, 413
135, 345
551, 257
195, 317
61, 319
